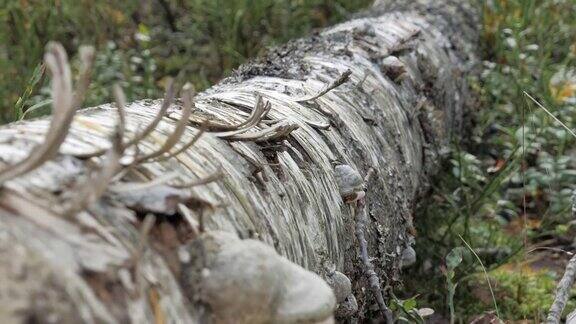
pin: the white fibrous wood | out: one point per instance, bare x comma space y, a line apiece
245, 222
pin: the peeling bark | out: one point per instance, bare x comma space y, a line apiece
405, 98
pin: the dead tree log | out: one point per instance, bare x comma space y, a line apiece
149, 228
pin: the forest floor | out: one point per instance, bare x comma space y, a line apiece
505, 194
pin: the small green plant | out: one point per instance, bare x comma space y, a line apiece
36, 78
485, 274
407, 310
453, 260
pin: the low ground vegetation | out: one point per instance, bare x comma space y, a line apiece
508, 192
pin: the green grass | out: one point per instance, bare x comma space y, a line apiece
511, 188
140, 42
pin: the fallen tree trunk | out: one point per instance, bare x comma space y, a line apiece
292, 134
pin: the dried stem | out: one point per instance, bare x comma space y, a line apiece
343, 78
86, 54
168, 99
260, 111
280, 130
257, 115
564, 286
372, 276
133, 186
120, 98
186, 146
64, 104
187, 95
210, 178
562, 293
163, 180
187, 214
145, 229
360, 84
95, 187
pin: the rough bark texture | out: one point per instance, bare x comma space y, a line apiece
279, 184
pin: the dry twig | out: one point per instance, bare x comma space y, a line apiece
210, 178
256, 115
565, 284
87, 58
562, 293
260, 111
343, 78
187, 215
186, 146
124, 187
187, 95
99, 181
168, 98
163, 180
65, 103
146, 227
373, 280
280, 130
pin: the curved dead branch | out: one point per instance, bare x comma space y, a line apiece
564, 285
125, 187
259, 112
187, 98
210, 178
280, 130
133, 186
186, 146
87, 61
167, 101
99, 182
65, 103
562, 293
372, 276
342, 78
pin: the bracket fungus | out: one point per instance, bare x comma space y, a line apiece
347, 307
408, 257
342, 288
340, 284
393, 67
246, 281
350, 183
